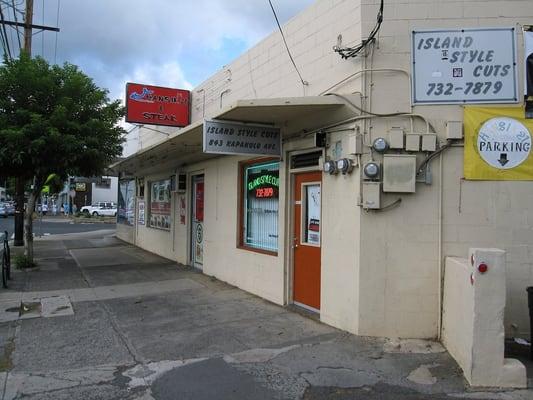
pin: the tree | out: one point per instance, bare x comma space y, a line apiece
53, 119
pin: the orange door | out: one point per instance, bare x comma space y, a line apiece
307, 229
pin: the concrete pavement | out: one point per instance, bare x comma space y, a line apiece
146, 328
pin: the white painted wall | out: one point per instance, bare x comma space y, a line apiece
105, 194
400, 247
380, 270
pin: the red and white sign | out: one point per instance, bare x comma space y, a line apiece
154, 105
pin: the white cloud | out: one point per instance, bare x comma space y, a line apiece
165, 42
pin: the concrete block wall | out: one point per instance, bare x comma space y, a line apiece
400, 248
397, 272
265, 71
473, 332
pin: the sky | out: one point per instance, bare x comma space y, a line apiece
175, 43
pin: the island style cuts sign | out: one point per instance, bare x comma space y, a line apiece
228, 137
461, 66
154, 105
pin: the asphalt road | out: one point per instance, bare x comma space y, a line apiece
53, 227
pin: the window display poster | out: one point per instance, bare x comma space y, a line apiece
183, 210
199, 210
313, 214
142, 213
126, 202
160, 204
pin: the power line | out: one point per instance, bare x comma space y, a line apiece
16, 20
5, 39
347, 52
305, 83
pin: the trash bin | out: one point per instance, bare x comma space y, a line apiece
530, 304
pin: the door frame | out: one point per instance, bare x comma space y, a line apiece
290, 228
190, 233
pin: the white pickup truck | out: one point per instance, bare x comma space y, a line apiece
103, 208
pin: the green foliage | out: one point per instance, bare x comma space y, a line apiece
54, 119
22, 261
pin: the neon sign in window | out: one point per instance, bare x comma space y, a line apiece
261, 194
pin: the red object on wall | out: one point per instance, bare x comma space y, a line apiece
154, 105
199, 201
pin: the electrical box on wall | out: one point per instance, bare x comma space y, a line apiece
372, 195
429, 142
399, 173
355, 144
454, 130
412, 142
396, 138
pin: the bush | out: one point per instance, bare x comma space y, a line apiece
23, 262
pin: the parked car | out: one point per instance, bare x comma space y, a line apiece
3, 210
105, 208
10, 207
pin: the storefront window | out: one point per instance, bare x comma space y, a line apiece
260, 206
126, 202
160, 204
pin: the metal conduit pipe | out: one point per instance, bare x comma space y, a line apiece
222, 94
364, 70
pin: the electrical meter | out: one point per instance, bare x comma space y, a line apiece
380, 145
371, 170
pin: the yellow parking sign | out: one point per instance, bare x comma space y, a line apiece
497, 144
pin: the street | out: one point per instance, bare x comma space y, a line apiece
102, 319
54, 226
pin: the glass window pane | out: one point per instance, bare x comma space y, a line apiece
126, 202
312, 214
160, 204
261, 192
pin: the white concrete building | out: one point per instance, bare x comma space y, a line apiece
366, 252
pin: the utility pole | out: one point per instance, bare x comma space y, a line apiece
28, 31
19, 181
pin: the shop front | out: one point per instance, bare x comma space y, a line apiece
352, 212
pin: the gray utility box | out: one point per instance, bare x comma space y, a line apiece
372, 195
399, 173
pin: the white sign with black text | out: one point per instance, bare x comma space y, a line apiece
228, 137
504, 143
462, 66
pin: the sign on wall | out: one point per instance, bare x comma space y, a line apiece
160, 204
141, 214
156, 105
461, 66
222, 137
497, 144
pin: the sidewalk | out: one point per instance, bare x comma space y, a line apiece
141, 327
